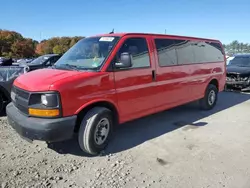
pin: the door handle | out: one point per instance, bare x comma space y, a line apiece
153, 75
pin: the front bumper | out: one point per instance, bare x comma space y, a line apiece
50, 130
243, 85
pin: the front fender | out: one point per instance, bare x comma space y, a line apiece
96, 102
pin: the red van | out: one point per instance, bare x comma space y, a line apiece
110, 79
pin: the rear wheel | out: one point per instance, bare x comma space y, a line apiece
95, 130
210, 98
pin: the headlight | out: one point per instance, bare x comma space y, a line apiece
44, 100
45, 105
50, 100
246, 78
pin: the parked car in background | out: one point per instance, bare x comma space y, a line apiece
229, 59
6, 61
11, 61
238, 73
110, 79
43, 61
10, 70
7, 76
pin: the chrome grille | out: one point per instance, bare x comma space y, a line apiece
20, 99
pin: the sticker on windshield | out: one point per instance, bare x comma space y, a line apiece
107, 39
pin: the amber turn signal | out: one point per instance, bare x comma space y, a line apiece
44, 112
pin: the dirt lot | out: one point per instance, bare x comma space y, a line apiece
183, 147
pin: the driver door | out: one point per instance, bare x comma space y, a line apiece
135, 85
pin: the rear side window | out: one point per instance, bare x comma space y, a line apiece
180, 52
185, 53
166, 52
214, 52
138, 48
208, 52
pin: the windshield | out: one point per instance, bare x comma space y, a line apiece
240, 61
87, 54
40, 60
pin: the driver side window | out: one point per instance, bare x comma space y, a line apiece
138, 49
52, 61
48, 63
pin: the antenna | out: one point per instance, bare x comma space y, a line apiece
112, 32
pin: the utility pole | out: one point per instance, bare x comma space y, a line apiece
165, 31
41, 35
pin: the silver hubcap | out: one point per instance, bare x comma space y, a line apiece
211, 97
101, 131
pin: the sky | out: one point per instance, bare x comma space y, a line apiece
225, 20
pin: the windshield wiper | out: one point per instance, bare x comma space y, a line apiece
72, 67
68, 66
243, 65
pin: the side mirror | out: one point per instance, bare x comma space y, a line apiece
125, 62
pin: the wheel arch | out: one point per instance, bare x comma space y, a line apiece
97, 103
215, 82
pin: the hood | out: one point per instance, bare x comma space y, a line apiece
42, 79
238, 70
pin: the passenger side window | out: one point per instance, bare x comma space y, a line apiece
56, 59
199, 52
166, 52
52, 61
138, 49
48, 63
185, 52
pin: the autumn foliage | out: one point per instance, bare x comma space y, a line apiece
57, 45
13, 44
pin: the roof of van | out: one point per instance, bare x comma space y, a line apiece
155, 34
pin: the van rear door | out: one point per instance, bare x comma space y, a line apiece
135, 86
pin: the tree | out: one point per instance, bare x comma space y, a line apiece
58, 49
23, 48
13, 44
74, 40
39, 48
237, 47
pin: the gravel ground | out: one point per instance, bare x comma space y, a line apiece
182, 147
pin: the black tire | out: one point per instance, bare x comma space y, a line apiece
205, 102
87, 131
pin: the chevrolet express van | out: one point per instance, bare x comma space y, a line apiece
106, 80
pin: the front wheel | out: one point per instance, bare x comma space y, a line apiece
210, 98
95, 130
